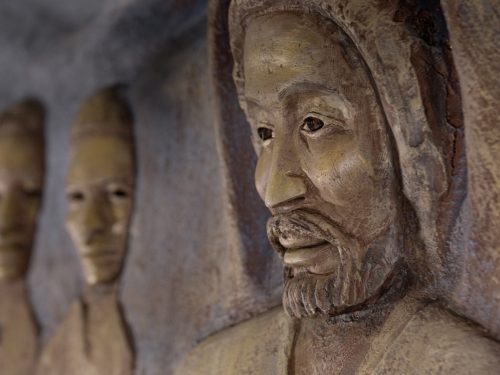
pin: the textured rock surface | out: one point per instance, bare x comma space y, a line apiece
474, 30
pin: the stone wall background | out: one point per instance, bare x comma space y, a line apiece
179, 282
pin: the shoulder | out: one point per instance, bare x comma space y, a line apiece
256, 346
439, 342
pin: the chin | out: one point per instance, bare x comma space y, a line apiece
348, 289
101, 271
97, 279
344, 275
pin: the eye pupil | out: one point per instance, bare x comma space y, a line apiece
76, 196
265, 133
313, 123
33, 193
120, 193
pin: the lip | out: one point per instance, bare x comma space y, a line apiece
307, 256
321, 259
98, 254
291, 242
304, 251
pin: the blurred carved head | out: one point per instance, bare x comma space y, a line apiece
21, 183
100, 185
345, 220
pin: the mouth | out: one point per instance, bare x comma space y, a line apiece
303, 243
318, 259
307, 252
301, 250
98, 254
291, 241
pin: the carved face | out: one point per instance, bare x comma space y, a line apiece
21, 181
324, 167
100, 190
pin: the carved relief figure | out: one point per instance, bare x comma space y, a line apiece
353, 137
93, 338
21, 182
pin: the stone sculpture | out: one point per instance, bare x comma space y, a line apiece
355, 116
21, 182
94, 338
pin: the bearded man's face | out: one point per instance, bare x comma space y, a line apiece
325, 167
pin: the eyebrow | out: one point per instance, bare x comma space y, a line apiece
252, 101
288, 93
27, 176
107, 181
304, 87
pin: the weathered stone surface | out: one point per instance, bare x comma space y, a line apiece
475, 37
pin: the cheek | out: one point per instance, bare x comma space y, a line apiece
342, 175
73, 221
262, 172
70, 222
121, 214
32, 209
334, 164
345, 176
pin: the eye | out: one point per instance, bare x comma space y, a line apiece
76, 196
311, 124
265, 133
33, 193
119, 193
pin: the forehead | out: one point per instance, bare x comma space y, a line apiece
282, 49
101, 158
22, 154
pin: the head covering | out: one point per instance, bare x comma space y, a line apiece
24, 118
104, 113
406, 51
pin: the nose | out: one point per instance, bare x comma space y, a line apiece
11, 211
93, 219
285, 181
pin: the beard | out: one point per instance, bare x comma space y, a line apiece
356, 279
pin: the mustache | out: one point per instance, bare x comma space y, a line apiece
305, 223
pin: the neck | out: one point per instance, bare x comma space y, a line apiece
92, 292
341, 344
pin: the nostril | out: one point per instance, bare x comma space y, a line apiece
298, 199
